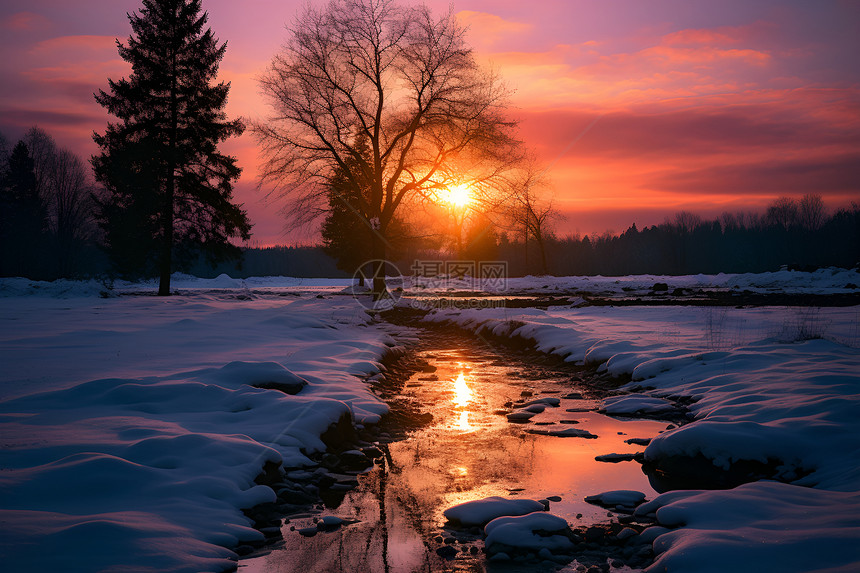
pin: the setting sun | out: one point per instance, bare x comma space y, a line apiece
457, 196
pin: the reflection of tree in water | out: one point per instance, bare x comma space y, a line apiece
399, 507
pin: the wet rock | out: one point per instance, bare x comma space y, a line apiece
594, 533
615, 458
520, 416
243, 550
626, 533
638, 441
329, 523
296, 497
271, 474
447, 552
550, 401
340, 433
354, 460
660, 287
566, 433
555, 498
623, 497
372, 452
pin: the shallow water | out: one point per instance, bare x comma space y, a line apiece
467, 453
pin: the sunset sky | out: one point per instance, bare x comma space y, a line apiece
692, 105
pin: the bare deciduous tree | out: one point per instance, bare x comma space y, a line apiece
71, 208
783, 212
397, 78
530, 210
811, 212
64, 185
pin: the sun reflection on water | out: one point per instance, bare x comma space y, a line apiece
462, 393
463, 423
462, 396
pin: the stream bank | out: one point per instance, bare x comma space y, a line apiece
470, 418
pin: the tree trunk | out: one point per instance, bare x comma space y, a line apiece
542, 248
378, 253
166, 262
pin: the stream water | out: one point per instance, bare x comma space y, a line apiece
469, 451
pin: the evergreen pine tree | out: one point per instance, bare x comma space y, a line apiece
23, 217
346, 231
168, 189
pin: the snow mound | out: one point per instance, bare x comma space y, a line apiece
532, 532
481, 511
624, 497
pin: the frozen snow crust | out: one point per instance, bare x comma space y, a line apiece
132, 431
757, 392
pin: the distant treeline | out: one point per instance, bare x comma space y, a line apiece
687, 244
49, 228
302, 262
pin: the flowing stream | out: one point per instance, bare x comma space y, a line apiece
469, 451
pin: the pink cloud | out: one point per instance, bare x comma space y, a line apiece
25, 22
488, 29
69, 46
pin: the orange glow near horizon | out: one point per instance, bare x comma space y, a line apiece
638, 110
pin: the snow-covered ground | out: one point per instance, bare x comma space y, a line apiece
822, 281
131, 433
774, 384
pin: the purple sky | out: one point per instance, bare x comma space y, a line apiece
703, 106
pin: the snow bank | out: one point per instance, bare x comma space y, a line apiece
759, 391
822, 281
133, 430
762, 526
